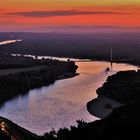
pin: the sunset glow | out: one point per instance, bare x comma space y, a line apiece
26, 14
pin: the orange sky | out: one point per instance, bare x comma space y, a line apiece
125, 13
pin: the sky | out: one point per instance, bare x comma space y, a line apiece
46, 15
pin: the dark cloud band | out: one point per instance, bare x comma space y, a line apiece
61, 13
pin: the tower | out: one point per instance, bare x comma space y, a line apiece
111, 57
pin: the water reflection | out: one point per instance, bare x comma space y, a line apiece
9, 41
62, 103
52, 57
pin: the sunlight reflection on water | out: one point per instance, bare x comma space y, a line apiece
9, 41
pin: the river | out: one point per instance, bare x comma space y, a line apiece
9, 41
62, 103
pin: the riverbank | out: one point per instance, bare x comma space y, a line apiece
122, 87
102, 106
119, 90
18, 82
123, 120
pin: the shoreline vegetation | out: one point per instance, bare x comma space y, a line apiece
19, 81
119, 90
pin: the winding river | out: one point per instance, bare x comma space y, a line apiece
61, 104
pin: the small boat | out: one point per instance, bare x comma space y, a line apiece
107, 69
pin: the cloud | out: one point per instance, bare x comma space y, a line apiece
61, 13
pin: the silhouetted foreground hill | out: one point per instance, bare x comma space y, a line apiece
122, 123
11, 130
123, 87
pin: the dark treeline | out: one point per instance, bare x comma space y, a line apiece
7, 61
123, 87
